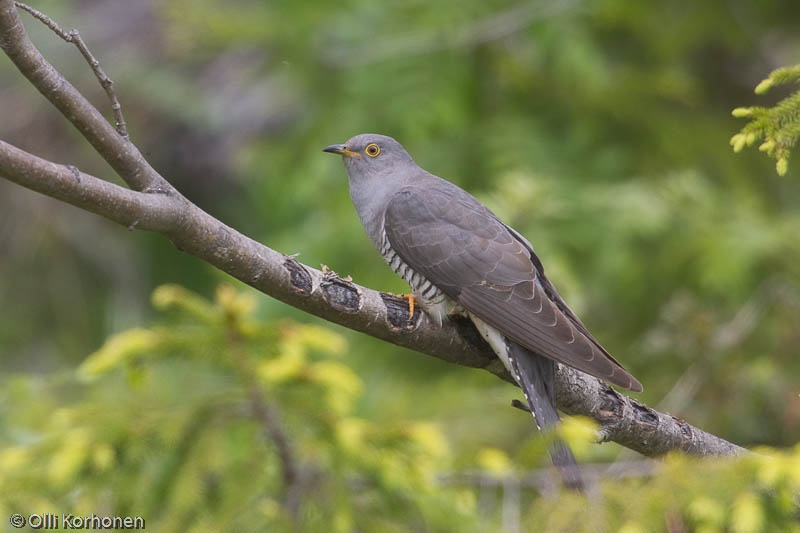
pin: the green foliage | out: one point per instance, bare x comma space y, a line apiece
748, 494
777, 126
193, 438
596, 128
213, 420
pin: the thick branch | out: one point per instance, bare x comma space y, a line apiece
67, 183
163, 210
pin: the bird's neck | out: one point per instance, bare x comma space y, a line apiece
370, 201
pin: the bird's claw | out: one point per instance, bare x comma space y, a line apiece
411, 303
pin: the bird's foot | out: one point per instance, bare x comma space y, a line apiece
411, 303
401, 312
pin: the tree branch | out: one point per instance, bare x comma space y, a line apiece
74, 37
118, 151
154, 205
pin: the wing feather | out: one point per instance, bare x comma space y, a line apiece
455, 242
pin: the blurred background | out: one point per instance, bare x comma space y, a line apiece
598, 129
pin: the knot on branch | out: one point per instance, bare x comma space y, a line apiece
299, 278
340, 293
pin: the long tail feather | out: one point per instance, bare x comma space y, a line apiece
536, 376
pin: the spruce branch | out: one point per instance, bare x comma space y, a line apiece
153, 204
778, 126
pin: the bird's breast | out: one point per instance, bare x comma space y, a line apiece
435, 302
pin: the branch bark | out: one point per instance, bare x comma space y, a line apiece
152, 204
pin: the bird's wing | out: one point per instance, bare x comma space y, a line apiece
455, 242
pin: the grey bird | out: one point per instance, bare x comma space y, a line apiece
459, 258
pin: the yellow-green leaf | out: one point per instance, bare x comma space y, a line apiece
119, 349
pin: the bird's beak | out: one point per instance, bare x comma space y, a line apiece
341, 150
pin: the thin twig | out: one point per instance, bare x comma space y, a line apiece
269, 416
118, 151
271, 424
543, 481
74, 37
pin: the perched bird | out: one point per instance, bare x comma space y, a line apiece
459, 258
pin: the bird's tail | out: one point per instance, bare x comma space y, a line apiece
536, 376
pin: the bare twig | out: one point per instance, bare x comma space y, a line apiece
269, 416
544, 480
271, 422
74, 37
118, 151
154, 205
270, 419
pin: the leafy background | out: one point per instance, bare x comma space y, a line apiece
598, 129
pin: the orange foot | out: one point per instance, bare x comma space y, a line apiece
411, 301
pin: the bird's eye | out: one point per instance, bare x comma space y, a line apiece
372, 150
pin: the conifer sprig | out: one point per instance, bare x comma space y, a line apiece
778, 127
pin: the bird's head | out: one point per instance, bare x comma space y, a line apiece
370, 155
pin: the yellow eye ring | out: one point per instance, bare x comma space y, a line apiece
372, 150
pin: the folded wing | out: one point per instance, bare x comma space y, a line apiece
455, 242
